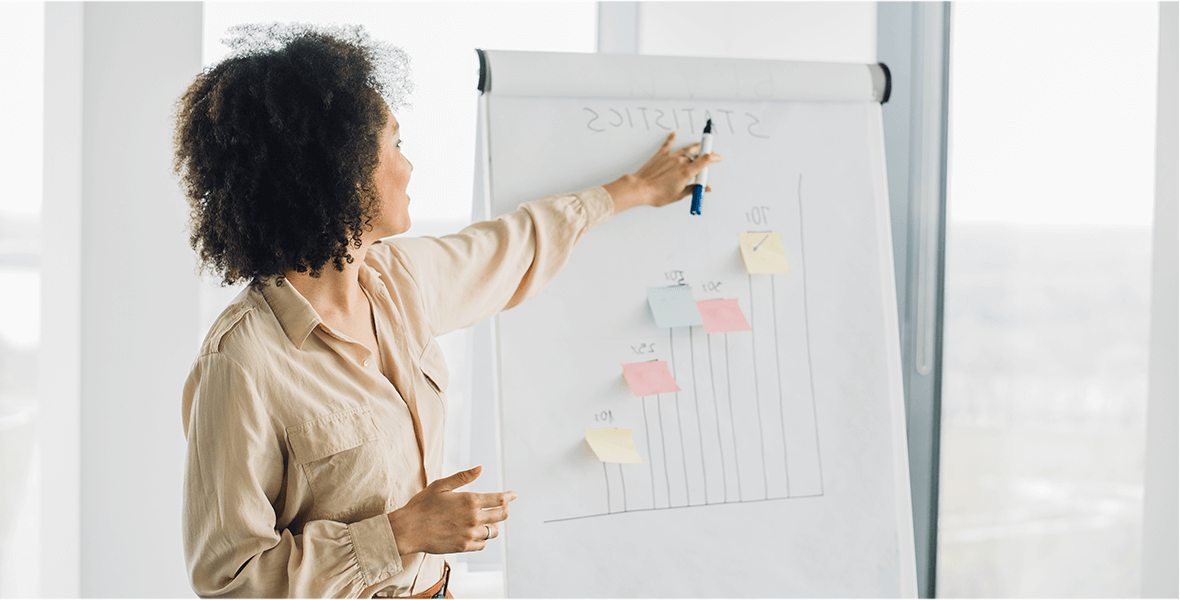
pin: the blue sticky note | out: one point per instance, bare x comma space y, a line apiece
673, 306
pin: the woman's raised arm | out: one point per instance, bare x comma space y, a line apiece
494, 265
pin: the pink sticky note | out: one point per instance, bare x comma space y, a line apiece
649, 378
722, 316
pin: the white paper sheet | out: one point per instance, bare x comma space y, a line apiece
779, 468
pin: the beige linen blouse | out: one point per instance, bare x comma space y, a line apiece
298, 445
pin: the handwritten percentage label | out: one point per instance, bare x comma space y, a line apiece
604, 417
759, 215
644, 348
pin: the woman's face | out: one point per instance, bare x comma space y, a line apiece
391, 178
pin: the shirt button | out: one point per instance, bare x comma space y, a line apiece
366, 362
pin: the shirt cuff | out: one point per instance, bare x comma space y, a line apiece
375, 549
600, 207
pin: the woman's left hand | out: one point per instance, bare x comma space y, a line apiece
666, 178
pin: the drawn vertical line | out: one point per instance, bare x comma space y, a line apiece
695, 400
606, 474
624, 480
758, 392
717, 419
807, 337
650, 459
779, 370
664, 445
732, 423
679, 423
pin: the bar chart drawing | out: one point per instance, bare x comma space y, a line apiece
737, 432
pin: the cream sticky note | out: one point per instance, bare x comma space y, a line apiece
649, 378
722, 316
613, 445
673, 306
763, 252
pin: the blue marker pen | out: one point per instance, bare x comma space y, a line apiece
698, 187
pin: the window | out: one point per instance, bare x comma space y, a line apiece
21, 45
1050, 192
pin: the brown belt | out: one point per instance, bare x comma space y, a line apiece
438, 590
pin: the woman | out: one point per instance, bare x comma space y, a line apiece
314, 411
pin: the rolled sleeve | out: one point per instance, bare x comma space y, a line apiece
494, 265
376, 550
598, 204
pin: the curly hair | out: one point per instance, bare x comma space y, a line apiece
276, 147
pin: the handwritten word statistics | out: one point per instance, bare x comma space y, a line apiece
601, 119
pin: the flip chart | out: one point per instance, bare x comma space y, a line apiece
774, 447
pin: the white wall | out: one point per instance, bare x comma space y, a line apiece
138, 297
808, 31
58, 381
1160, 549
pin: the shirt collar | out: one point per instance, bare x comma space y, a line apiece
294, 313
370, 279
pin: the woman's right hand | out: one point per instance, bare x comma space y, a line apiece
439, 520
665, 178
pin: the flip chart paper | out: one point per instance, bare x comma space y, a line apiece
763, 252
649, 378
822, 173
613, 445
722, 316
673, 306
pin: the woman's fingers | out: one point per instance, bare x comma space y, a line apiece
492, 500
457, 480
678, 180
480, 537
493, 515
698, 164
668, 142
485, 532
701, 162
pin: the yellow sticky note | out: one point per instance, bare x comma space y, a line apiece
763, 252
613, 445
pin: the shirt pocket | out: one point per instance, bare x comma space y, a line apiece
344, 457
434, 366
